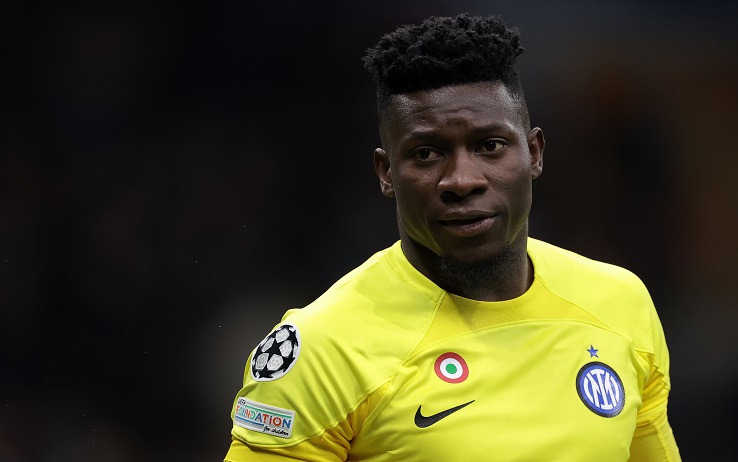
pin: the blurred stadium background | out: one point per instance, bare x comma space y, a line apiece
174, 177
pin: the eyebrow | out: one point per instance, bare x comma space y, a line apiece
421, 134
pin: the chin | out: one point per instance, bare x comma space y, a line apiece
475, 254
466, 274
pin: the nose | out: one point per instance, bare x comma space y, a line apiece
461, 176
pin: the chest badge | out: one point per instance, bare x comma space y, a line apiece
451, 367
600, 389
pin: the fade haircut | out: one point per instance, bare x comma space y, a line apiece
444, 51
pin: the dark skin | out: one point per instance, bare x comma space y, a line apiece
460, 161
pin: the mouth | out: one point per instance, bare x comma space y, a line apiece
468, 227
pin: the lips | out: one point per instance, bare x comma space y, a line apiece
467, 226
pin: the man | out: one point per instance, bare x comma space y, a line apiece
466, 340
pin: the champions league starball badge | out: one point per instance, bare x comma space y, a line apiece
600, 389
276, 354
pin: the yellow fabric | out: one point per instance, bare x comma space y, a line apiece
369, 363
332, 445
654, 441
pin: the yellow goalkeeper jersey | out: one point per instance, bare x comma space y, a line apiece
387, 366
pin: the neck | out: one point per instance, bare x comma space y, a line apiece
505, 276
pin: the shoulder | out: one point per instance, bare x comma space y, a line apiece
363, 326
379, 294
555, 266
340, 349
614, 295
366, 324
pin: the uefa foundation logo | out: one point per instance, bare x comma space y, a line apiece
262, 418
601, 389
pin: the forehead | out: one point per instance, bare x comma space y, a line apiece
483, 103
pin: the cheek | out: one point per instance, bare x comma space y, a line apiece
518, 175
516, 186
521, 198
415, 188
408, 202
412, 203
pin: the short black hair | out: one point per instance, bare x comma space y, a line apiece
442, 51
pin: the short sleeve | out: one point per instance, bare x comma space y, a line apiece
301, 397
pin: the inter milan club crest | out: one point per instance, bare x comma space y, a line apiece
451, 367
276, 354
601, 389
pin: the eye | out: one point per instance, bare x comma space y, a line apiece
492, 146
426, 153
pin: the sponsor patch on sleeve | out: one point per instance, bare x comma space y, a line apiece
263, 418
276, 354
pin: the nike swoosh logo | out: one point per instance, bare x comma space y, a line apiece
422, 421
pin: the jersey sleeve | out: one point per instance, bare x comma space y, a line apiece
653, 439
305, 401
332, 445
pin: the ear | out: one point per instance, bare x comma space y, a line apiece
536, 145
382, 167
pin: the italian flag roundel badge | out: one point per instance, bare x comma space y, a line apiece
451, 368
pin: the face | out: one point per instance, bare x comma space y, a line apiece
459, 161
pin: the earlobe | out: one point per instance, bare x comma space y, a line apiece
536, 145
382, 167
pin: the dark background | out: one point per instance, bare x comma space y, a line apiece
174, 177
